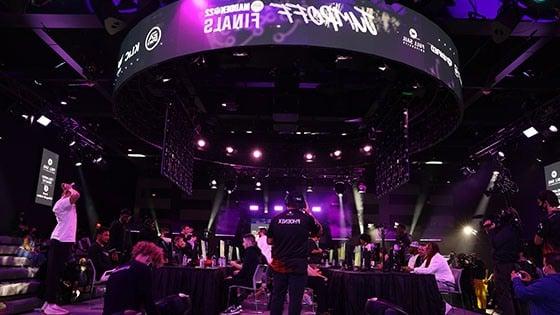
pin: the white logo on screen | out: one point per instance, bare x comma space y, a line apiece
257, 6
554, 174
153, 38
413, 33
45, 188
50, 162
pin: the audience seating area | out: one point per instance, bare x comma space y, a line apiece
18, 283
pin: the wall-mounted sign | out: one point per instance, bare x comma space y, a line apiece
47, 178
552, 177
372, 27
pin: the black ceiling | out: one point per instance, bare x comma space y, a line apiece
31, 64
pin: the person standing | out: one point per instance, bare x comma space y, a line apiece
505, 238
542, 294
288, 234
62, 239
315, 251
263, 245
548, 231
118, 232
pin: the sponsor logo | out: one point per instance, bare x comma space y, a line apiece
233, 17
413, 41
554, 174
289, 221
152, 38
126, 56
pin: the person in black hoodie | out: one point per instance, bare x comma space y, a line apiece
243, 274
505, 237
130, 286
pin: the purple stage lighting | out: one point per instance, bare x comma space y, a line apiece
278, 208
316, 209
254, 207
367, 148
201, 143
230, 150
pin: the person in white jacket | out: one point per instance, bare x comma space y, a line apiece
437, 265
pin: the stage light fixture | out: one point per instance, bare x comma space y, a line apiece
362, 188
339, 188
278, 208
258, 185
72, 143
336, 154
201, 143
469, 230
553, 128
213, 184
433, 163
98, 160
78, 164
165, 80
230, 150
254, 207
366, 149
136, 155
501, 156
383, 67
530, 132
316, 209
309, 157
63, 103
257, 154
309, 189
344, 134
248, 132
43, 120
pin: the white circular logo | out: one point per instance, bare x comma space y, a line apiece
45, 188
153, 38
554, 174
50, 162
412, 32
257, 6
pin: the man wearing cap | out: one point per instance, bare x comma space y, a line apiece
415, 259
288, 234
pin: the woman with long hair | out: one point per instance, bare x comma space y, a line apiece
437, 265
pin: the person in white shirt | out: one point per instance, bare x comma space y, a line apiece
263, 245
62, 239
437, 265
415, 259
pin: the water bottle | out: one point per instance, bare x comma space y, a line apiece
201, 262
184, 262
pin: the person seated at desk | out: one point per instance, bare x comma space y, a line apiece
243, 273
102, 258
436, 264
129, 287
315, 252
416, 259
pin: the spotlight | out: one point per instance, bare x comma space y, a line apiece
254, 207
257, 154
278, 208
530, 132
469, 230
213, 184
258, 185
344, 134
201, 143
316, 209
248, 132
366, 149
98, 160
336, 154
553, 128
433, 163
230, 186
309, 157
63, 103
309, 189
383, 67
339, 188
229, 150
72, 143
501, 154
78, 164
43, 120
362, 188
165, 80
136, 155
495, 173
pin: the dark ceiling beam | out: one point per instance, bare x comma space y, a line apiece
541, 42
484, 28
50, 21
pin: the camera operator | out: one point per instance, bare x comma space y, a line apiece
504, 231
548, 231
